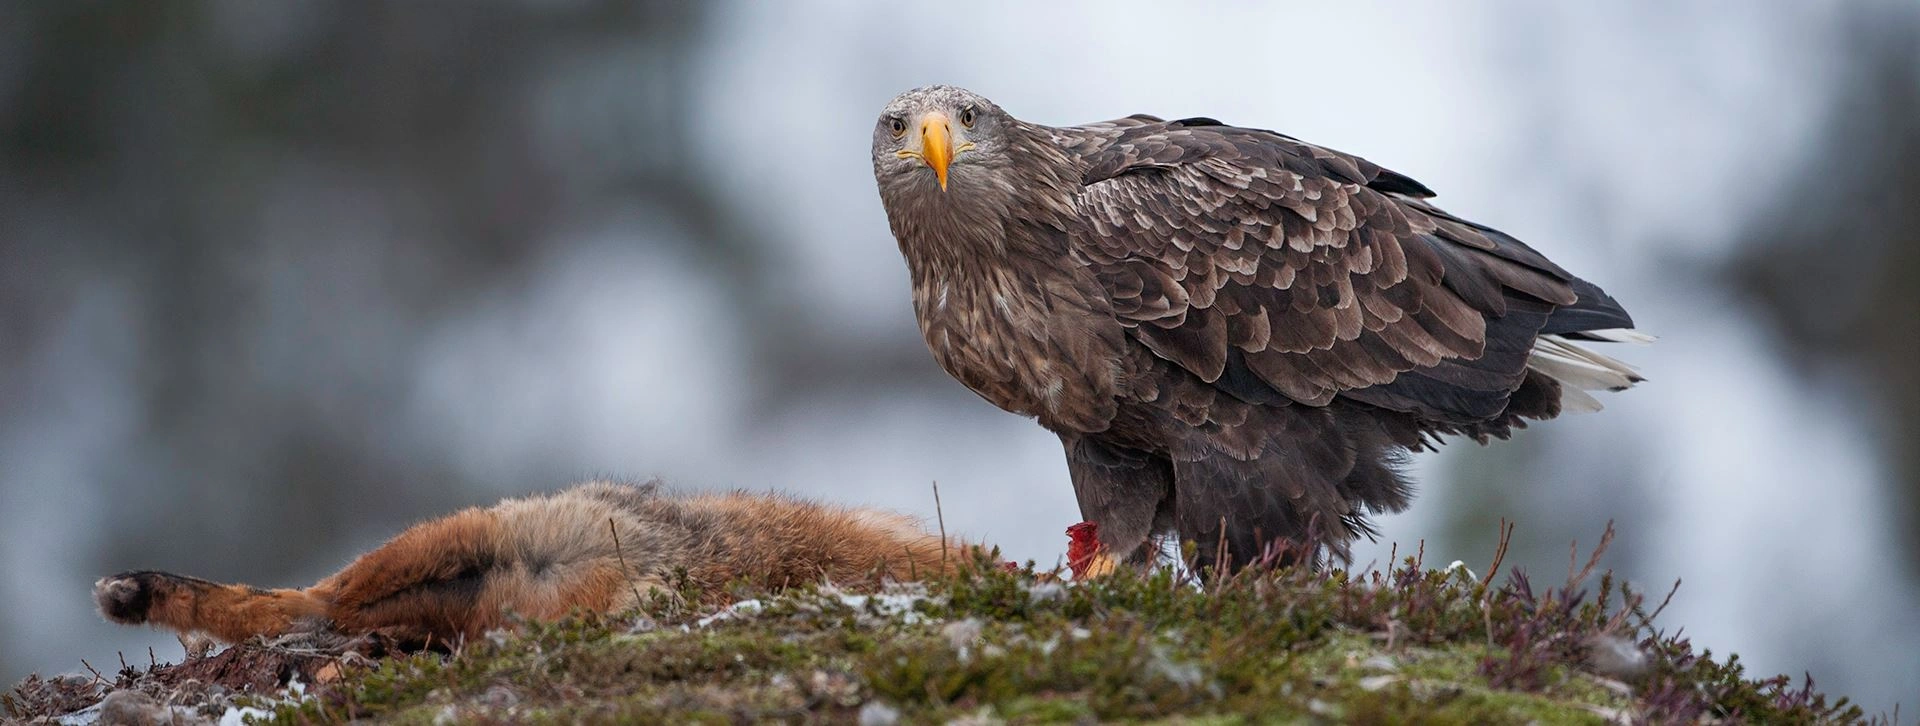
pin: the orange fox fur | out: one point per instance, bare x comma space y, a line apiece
543, 556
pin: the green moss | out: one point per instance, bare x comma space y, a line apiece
1278, 646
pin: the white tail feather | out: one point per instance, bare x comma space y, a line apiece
1621, 335
1580, 370
1574, 400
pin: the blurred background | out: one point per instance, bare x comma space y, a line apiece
278, 278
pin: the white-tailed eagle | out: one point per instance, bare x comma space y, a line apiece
1236, 334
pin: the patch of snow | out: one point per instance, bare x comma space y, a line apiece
1375, 683
642, 625
1462, 566
1381, 663
961, 635
734, 611
84, 717
1616, 657
1049, 591
898, 605
498, 637
1048, 646
1183, 674
876, 713
241, 715
295, 691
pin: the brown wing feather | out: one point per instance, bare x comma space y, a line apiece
1244, 255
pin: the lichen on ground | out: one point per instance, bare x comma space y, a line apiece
988, 645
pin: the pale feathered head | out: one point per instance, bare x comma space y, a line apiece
941, 140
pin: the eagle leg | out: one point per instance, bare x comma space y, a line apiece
1236, 513
1124, 491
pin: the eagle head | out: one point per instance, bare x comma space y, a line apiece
941, 146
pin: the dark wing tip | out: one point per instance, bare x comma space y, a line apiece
1196, 121
1397, 183
1595, 310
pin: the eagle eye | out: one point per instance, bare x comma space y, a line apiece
897, 125
966, 116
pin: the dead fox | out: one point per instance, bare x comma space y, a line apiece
542, 557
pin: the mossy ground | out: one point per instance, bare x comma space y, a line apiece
1413, 644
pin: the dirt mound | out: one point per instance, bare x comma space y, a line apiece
199, 688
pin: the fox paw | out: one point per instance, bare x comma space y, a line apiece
127, 597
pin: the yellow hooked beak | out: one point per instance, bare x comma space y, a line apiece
936, 144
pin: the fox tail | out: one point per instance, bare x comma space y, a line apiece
190, 605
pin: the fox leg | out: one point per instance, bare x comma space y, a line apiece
425, 587
428, 586
230, 613
432, 585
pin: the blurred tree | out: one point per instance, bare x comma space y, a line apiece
1831, 263
284, 197
241, 222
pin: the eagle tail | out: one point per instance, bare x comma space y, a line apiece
1579, 370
